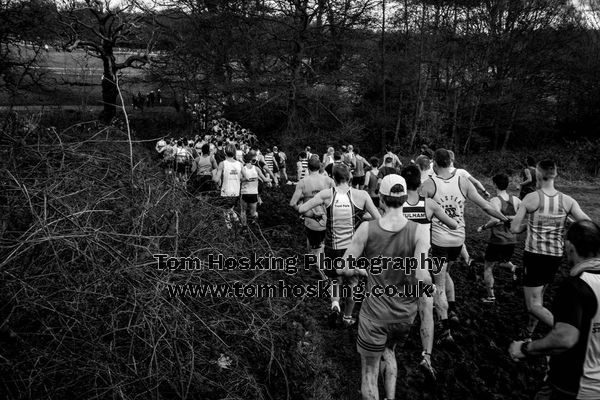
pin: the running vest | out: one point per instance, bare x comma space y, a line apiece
204, 165
589, 384
501, 234
303, 170
373, 183
250, 184
311, 185
230, 185
359, 170
381, 242
343, 217
416, 212
546, 226
269, 161
452, 200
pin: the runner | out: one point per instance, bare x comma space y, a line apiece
203, 169
396, 163
573, 345
501, 244
421, 210
272, 165
344, 209
529, 184
358, 177
328, 157
388, 168
337, 160
249, 188
546, 210
450, 192
315, 219
302, 166
385, 321
371, 181
228, 178
280, 159
464, 173
425, 166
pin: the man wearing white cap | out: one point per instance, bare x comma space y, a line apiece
386, 320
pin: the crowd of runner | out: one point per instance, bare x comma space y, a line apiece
353, 206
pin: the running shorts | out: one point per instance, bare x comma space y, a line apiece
374, 337
539, 269
499, 252
333, 254
358, 180
250, 198
315, 238
449, 253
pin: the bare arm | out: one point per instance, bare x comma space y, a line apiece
575, 210
528, 177
261, 176
319, 199
370, 207
560, 339
476, 198
297, 195
356, 248
219, 174
477, 184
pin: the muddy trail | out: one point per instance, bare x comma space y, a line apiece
477, 367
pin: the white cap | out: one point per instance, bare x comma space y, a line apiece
393, 185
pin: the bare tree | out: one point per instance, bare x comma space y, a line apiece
99, 27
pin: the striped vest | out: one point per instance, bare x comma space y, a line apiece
304, 170
546, 226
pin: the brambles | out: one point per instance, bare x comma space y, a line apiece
80, 289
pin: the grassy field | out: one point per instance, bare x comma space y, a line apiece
73, 78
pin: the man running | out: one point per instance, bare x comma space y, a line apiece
450, 192
547, 210
344, 209
315, 219
302, 166
358, 177
421, 210
372, 182
501, 244
573, 344
328, 157
385, 321
249, 188
529, 184
396, 163
228, 177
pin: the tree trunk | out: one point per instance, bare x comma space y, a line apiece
508, 131
109, 85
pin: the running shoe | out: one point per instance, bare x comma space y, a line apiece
228, 220
427, 368
453, 316
348, 321
445, 338
488, 300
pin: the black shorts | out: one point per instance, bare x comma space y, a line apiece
358, 180
449, 253
330, 253
496, 252
250, 198
539, 269
315, 238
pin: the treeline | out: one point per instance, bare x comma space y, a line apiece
475, 75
